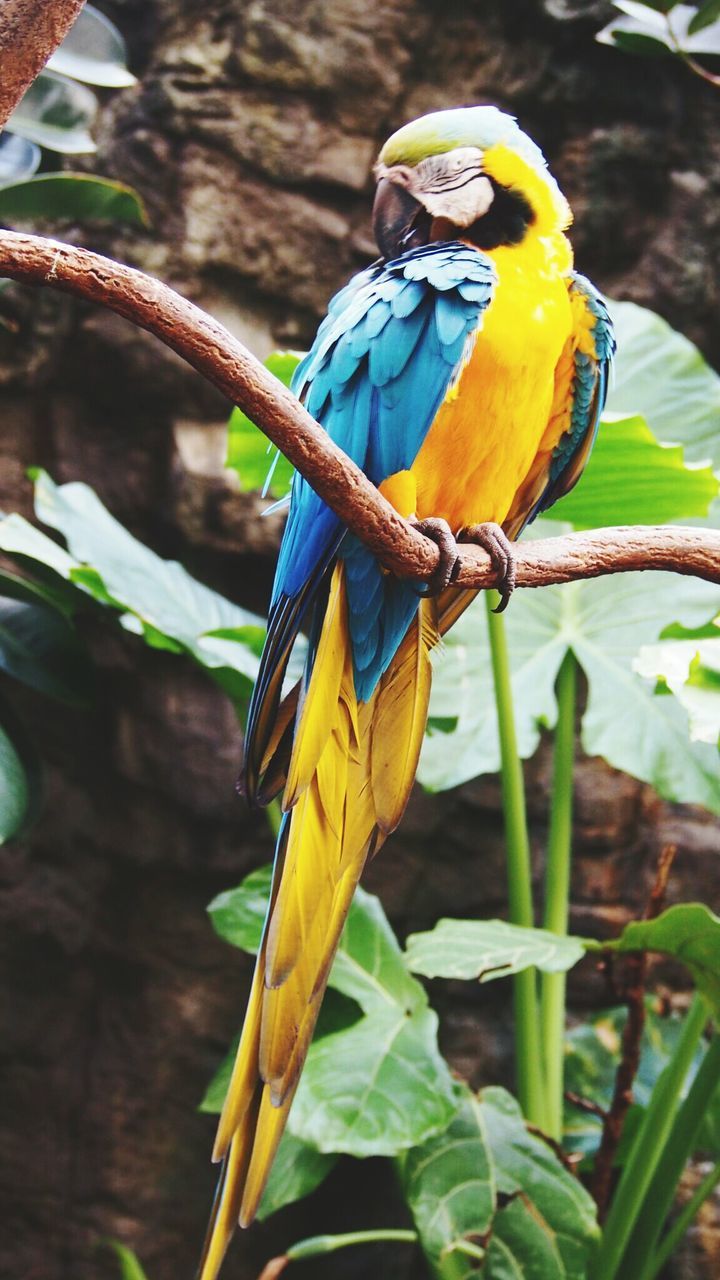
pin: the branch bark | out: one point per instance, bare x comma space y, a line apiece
229, 366
30, 32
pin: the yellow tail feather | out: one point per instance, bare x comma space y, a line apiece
350, 774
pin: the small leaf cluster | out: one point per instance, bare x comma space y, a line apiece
57, 113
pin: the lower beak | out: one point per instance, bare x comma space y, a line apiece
397, 219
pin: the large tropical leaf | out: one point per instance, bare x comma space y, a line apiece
157, 599
690, 668
631, 479
379, 1085
662, 376
605, 622
490, 1198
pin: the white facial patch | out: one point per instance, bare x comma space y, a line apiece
453, 186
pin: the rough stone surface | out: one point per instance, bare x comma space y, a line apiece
251, 137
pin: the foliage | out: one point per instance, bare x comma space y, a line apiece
487, 1190
397, 1089
58, 112
248, 448
665, 26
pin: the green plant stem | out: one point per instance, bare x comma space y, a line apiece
528, 1060
557, 892
638, 1261
314, 1246
648, 1146
682, 1222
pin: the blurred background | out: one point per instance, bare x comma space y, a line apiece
250, 136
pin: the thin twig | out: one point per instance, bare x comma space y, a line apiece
29, 34
634, 998
584, 1104
230, 367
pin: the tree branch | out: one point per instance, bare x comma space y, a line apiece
30, 32
230, 367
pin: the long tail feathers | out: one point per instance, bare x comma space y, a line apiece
348, 779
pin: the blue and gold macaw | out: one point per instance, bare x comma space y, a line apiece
465, 372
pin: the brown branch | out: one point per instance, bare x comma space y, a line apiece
30, 32
634, 998
230, 367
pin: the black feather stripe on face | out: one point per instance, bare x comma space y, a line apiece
505, 222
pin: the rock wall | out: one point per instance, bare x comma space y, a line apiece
251, 137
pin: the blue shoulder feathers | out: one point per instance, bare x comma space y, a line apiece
376, 375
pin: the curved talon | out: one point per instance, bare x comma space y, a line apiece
495, 541
439, 532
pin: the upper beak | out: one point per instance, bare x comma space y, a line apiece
396, 215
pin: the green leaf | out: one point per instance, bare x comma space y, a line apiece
238, 915
14, 789
130, 1268
605, 622
631, 479
379, 1085
249, 452
662, 376
40, 648
19, 158
71, 195
691, 671
297, 1170
159, 598
60, 597
705, 16
488, 1184
93, 51
629, 36
56, 113
487, 949
690, 933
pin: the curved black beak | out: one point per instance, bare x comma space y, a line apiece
399, 220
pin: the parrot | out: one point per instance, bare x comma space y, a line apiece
465, 372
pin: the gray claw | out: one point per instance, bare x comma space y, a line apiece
492, 539
439, 532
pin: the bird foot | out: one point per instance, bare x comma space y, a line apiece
439, 532
492, 539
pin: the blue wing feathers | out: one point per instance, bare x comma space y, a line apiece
376, 375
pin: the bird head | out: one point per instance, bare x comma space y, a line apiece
470, 174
